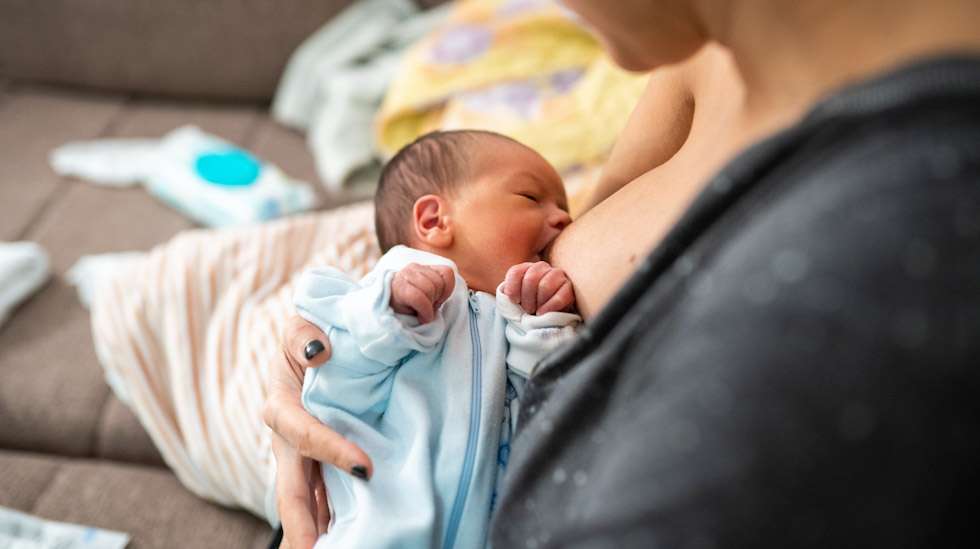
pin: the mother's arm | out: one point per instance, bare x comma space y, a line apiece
656, 130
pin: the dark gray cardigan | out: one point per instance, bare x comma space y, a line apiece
798, 363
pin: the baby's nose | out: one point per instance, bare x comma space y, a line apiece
560, 219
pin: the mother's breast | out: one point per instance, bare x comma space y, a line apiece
603, 247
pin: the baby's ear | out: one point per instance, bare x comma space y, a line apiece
430, 221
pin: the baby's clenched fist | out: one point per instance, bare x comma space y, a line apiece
539, 288
421, 289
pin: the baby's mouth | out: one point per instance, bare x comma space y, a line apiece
544, 251
540, 254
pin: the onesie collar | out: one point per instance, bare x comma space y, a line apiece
398, 257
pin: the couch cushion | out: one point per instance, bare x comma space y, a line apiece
145, 502
53, 397
158, 47
32, 122
23, 479
154, 118
53, 392
119, 436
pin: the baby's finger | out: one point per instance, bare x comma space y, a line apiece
513, 280
424, 281
448, 277
561, 301
550, 283
438, 284
419, 302
529, 286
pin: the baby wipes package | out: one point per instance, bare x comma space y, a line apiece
212, 181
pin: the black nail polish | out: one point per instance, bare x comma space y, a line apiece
359, 471
313, 348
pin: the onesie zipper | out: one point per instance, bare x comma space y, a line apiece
467, 473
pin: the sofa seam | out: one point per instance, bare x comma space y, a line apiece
47, 486
96, 436
252, 130
125, 106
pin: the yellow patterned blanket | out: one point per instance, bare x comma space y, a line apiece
524, 68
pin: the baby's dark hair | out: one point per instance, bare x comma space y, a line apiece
435, 163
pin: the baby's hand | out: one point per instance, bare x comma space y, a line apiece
539, 288
420, 289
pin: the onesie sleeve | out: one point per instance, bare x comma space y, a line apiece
360, 312
531, 337
368, 340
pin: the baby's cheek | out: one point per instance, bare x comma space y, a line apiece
519, 239
501, 257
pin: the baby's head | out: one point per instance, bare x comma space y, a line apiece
478, 198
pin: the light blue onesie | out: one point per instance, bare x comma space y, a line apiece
434, 405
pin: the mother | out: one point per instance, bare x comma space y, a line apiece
794, 363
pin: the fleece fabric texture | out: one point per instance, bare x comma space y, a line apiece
429, 403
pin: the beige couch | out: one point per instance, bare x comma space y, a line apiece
69, 450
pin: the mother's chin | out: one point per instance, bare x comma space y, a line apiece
638, 42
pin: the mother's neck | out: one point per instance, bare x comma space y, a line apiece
792, 53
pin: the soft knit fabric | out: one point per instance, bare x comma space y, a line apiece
426, 402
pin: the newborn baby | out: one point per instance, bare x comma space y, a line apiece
431, 350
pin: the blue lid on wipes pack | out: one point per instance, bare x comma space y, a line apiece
230, 167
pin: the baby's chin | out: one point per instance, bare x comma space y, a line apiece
478, 287
490, 279
493, 275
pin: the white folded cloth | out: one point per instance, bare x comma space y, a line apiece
336, 79
22, 531
24, 268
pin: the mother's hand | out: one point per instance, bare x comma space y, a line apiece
300, 442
